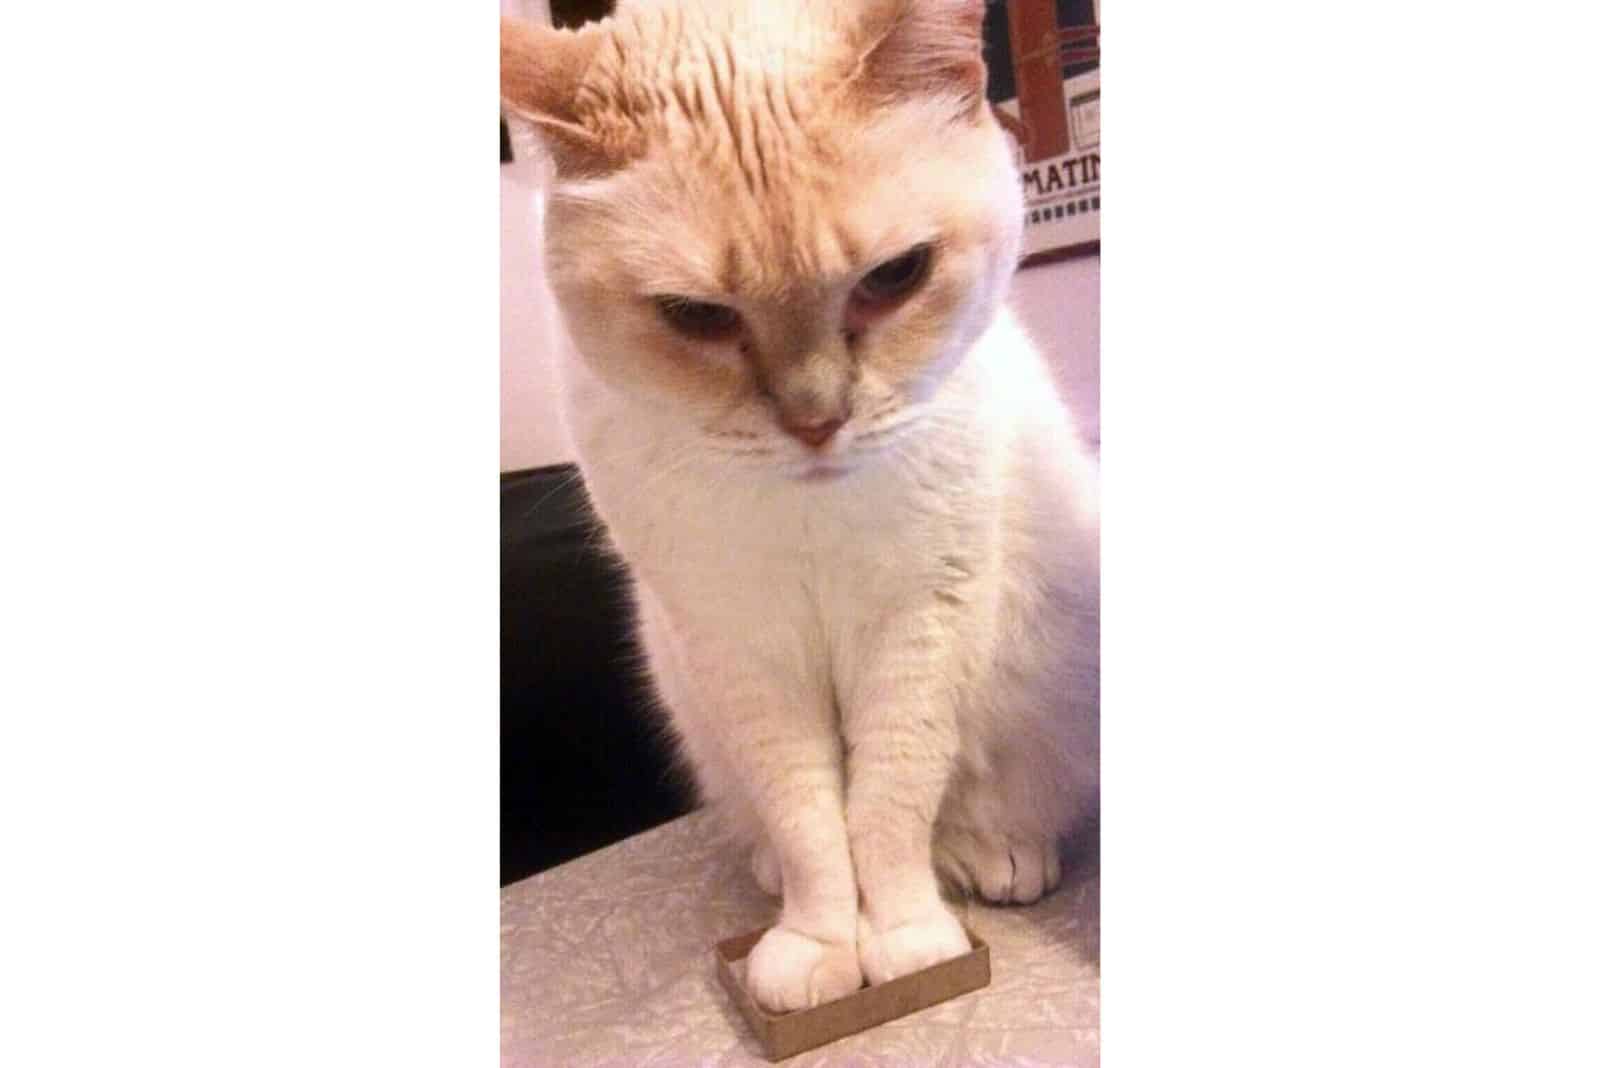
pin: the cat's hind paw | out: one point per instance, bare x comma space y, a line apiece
911, 946
1001, 870
789, 970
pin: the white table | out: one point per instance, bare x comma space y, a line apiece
607, 960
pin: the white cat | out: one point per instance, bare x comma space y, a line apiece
863, 532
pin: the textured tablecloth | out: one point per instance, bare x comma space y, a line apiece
607, 961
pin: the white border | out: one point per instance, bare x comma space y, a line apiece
249, 649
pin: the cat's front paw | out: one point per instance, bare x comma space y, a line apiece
789, 970
910, 946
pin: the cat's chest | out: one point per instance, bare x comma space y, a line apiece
844, 532
862, 538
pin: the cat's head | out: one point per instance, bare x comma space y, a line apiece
785, 222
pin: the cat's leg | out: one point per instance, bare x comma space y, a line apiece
1001, 828
1031, 771
903, 737
754, 712
982, 846
795, 780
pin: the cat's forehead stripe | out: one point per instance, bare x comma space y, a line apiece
732, 277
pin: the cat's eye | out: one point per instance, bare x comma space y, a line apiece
894, 279
699, 319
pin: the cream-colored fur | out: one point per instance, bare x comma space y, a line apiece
880, 656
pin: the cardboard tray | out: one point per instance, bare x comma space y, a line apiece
784, 1034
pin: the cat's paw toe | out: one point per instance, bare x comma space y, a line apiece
789, 970
910, 947
1036, 870
764, 864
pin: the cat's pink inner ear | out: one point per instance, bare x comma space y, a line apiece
918, 47
540, 71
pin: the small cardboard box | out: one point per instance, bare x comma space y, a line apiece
784, 1034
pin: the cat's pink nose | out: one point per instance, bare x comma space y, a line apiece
816, 434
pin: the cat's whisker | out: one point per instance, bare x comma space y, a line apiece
565, 482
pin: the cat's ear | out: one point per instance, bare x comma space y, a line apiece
540, 71
918, 47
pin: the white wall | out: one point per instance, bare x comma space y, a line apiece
1060, 304
531, 435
